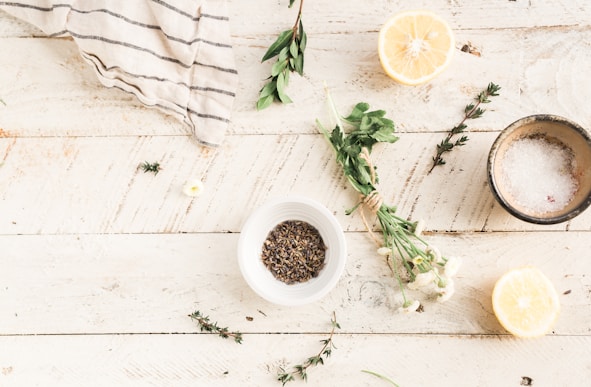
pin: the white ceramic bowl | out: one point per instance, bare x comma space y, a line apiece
254, 233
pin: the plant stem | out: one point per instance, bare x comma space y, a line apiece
381, 377
299, 17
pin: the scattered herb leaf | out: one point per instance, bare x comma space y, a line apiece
151, 167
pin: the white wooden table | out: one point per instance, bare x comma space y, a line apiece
100, 263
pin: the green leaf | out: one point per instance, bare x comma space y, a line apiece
294, 49
299, 64
291, 3
385, 135
303, 37
265, 102
268, 89
358, 112
282, 41
283, 54
281, 85
278, 67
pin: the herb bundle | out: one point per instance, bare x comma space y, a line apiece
207, 326
407, 254
289, 50
325, 352
471, 111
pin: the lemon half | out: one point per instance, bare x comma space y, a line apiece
525, 302
415, 46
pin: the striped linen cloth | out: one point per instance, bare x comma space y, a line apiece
172, 54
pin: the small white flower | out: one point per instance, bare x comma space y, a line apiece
452, 266
422, 280
420, 227
193, 188
445, 293
409, 307
384, 251
418, 260
434, 253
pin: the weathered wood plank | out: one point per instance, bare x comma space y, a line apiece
348, 17
144, 283
540, 71
94, 184
189, 360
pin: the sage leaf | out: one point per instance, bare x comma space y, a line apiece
299, 64
268, 89
265, 102
281, 84
294, 49
282, 41
278, 67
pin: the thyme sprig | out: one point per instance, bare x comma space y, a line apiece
207, 326
151, 167
407, 254
301, 370
471, 111
289, 49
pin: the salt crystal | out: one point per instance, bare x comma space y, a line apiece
538, 174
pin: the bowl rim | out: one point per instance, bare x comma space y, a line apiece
506, 132
333, 276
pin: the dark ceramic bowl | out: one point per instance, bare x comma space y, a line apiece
563, 134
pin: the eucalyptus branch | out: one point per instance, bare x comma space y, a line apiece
151, 167
324, 353
289, 50
206, 326
471, 111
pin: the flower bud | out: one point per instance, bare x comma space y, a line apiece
434, 253
419, 227
409, 307
422, 280
384, 251
193, 188
452, 266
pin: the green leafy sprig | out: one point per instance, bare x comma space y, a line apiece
151, 167
471, 111
401, 242
301, 370
207, 326
289, 50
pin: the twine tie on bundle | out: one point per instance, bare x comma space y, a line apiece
372, 201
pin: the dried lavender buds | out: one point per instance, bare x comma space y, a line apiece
294, 251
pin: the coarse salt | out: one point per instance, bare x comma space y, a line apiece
538, 174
